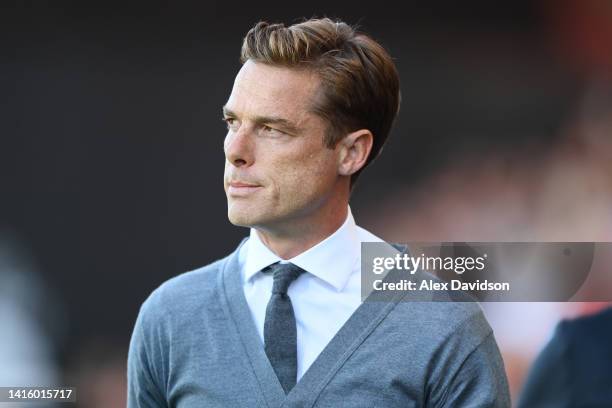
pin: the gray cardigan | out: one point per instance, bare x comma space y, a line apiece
195, 345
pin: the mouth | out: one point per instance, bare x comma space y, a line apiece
238, 188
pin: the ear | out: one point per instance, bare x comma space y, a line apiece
354, 150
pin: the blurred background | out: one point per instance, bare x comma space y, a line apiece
111, 157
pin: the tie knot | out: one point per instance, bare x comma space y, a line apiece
284, 274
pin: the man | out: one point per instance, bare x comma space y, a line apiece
280, 322
574, 368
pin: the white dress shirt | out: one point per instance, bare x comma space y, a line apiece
323, 299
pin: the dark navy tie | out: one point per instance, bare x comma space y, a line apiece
280, 333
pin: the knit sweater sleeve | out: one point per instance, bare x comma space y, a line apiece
144, 380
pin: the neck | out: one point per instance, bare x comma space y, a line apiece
303, 235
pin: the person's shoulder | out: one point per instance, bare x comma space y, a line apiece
447, 314
446, 336
197, 280
591, 323
594, 329
435, 313
184, 292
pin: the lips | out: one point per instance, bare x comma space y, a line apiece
240, 184
240, 188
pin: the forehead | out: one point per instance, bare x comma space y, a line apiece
261, 89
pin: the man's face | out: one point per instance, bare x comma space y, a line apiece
277, 168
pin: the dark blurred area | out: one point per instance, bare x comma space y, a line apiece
111, 156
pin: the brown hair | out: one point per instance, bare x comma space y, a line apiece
359, 81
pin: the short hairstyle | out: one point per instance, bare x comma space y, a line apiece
359, 81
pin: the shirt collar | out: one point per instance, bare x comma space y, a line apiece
331, 260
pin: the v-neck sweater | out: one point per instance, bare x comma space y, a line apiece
195, 345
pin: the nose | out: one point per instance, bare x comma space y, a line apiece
238, 147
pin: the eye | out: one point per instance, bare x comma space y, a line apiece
267, 130
230, 122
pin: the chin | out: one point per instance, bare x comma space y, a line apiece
242, 217
248, 217
239, 220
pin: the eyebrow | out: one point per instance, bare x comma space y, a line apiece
284, 123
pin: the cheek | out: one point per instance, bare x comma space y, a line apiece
322, 165
226, 171
298, 171
309, 174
